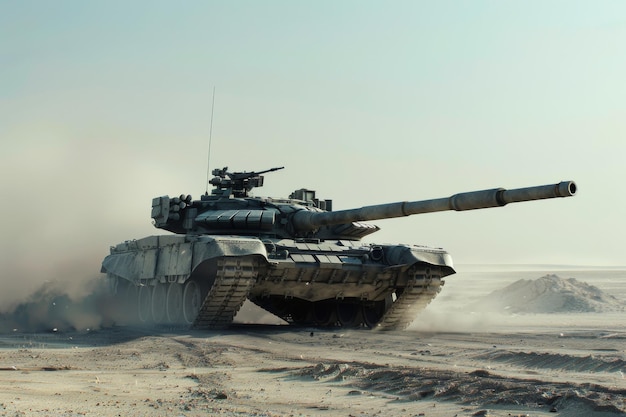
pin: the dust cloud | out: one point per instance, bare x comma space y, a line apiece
51, 308
63, 207
56, 287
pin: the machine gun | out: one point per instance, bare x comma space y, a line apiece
238, 184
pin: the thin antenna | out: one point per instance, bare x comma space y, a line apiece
208, 161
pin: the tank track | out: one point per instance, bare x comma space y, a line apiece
421, 289
234, 279
416, 288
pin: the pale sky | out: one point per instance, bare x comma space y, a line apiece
106, 104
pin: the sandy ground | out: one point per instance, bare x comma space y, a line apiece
451, 362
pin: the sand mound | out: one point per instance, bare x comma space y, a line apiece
550, 294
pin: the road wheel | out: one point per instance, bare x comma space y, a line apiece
348, 314
174, 303
159, 294
192, 301
374, 311
300, 312
324, 313
144, 304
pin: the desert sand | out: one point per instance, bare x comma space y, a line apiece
455, 360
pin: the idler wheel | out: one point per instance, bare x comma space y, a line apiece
144, 302
159, 295
192, 301
348, 314
174, 303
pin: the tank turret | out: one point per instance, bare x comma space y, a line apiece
294, 257
230, 210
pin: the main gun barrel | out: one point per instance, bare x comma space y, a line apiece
496, 197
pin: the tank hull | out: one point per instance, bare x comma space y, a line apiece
202, 281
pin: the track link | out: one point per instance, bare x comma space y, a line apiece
235, 277
421, 289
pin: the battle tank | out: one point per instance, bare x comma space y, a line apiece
294, 257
